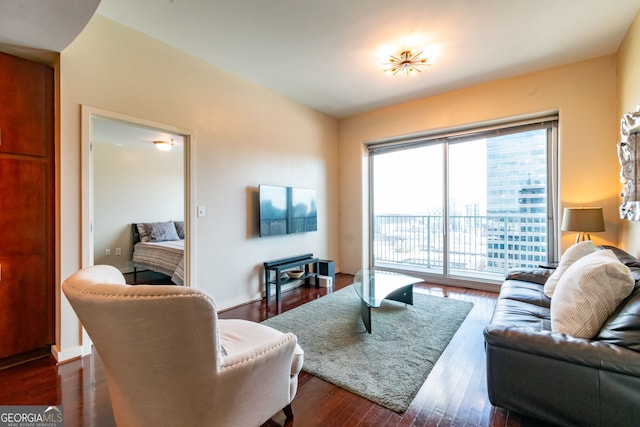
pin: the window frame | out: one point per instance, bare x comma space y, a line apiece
549, 121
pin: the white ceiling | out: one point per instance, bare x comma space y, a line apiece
131, 135
38, 29
325, 53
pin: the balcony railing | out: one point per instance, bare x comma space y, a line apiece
477, 245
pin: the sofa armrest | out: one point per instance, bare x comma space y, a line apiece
594, 354
535, 275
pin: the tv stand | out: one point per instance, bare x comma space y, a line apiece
279, 266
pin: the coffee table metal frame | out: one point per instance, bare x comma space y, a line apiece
373, 286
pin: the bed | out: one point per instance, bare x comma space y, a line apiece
159, 246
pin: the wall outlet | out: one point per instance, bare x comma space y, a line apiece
107, 252
118, 251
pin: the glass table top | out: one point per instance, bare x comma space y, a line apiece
372, 286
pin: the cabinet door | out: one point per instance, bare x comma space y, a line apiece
26, 106
26, 305
26, 255
23, 206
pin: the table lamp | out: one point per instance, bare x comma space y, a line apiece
582, 220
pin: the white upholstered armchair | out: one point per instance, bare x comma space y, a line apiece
170, 361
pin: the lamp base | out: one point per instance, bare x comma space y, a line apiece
582, 236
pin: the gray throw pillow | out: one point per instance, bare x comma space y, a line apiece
161, 231
180, 228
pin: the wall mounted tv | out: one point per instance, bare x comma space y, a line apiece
287, 210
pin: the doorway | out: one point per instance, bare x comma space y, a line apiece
127, 179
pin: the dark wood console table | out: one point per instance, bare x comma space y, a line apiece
278, 266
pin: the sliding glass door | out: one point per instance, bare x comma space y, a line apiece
470, 205
467, 207
408, 197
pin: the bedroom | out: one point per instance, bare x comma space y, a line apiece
135, 182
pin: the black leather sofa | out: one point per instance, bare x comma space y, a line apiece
555, 377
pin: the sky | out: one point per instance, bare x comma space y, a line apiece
411, 181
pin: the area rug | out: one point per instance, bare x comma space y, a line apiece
387, 366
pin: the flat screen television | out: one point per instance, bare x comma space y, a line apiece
274, 210
286, 210
303, 212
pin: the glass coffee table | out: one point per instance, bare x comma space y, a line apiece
373, 286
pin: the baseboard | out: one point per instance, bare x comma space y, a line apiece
28, 356
67, 355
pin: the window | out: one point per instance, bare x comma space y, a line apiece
468, 204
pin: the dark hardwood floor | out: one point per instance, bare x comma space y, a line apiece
454, 394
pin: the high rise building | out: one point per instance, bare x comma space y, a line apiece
517, 200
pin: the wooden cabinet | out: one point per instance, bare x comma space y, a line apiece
27, 248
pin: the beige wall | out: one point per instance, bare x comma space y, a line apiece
132, 184
628, 101
245, 135
584, 94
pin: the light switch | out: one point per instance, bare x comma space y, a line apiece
202, 211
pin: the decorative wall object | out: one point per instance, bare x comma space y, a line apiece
629, 158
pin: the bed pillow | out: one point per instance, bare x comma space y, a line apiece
570, 256
179, 228
588, 293
142, 232
161, 231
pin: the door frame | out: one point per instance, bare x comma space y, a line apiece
87, 190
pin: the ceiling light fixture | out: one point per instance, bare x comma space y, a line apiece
163, 145
408, 62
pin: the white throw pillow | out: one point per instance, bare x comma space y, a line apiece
588, 293
571, 255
